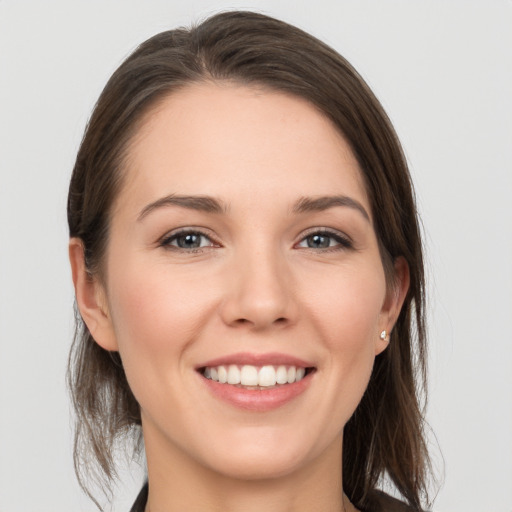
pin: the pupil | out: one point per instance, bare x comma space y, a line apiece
189, 241
318, 241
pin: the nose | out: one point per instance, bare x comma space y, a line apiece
259, 292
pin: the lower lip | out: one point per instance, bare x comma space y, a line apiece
258, 399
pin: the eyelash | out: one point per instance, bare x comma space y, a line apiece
166, 241
342, 241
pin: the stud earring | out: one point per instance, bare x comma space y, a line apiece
384, 336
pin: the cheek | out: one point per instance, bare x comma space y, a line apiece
155, 309
346, 311
347, 306
156, 315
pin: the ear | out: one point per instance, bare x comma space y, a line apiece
91, 299
393, 302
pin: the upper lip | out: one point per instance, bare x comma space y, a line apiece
270, 358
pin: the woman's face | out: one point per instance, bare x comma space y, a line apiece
242, 247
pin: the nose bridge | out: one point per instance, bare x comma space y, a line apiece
260, 288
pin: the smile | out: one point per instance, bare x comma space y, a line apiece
257, 382
255, 377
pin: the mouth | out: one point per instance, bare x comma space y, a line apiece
257, 382
256, 378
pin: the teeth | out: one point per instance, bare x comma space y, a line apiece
267, 376
233, 374
223, 374
282, 375
248, 375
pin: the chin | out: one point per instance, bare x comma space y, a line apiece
261, 466
265, 455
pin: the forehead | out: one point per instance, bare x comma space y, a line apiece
235, 141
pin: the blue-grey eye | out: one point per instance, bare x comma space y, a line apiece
319, 241
324, 240
187, 240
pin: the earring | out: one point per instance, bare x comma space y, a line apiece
384, 336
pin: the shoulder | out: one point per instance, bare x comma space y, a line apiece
142, 498
379, 501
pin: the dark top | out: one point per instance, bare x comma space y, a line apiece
378, 502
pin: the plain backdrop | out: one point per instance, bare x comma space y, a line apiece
443, 71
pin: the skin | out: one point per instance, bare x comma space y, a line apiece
254, 286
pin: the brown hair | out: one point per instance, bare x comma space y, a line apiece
385, 435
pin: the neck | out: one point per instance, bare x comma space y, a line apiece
177, 482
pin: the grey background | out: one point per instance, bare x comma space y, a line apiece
442, 69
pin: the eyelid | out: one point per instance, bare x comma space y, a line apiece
165, 240
344, 241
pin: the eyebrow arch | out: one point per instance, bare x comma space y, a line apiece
317, 204
202, 203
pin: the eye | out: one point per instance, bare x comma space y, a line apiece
187, 240
325, 240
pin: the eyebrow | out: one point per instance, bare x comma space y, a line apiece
210, 204
201, 203
318, 204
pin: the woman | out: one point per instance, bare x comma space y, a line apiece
248, 273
